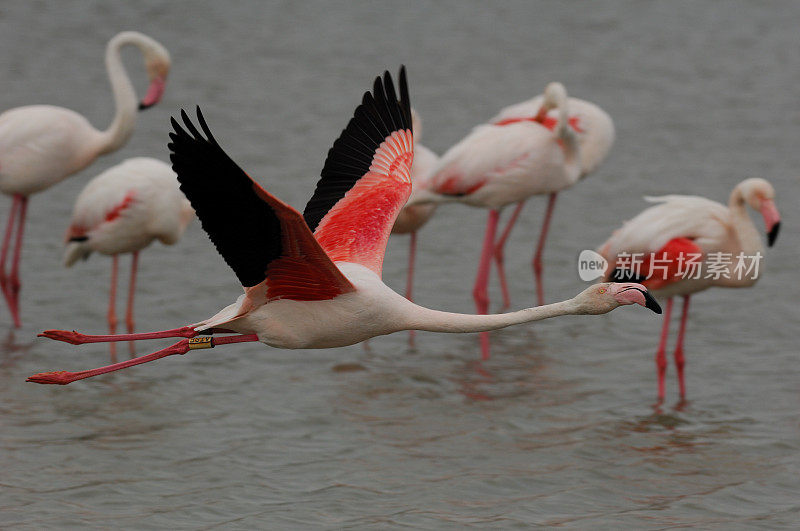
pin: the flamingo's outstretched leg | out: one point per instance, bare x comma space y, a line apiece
412, 252
129, 320
537, 257
661, 356
679, 359
112, 306
77, 338
499, 255
181, 347
481, 290
4, 284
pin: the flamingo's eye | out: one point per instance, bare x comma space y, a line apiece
602, 290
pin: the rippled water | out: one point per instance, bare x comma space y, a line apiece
558, 428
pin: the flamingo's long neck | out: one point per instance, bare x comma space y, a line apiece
743, 225
121, 127
746, 244
436, 321
569, 141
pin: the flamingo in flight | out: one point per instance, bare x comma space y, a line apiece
524, 151
123, 210
688, 244
41, 145
314, 280
412, 217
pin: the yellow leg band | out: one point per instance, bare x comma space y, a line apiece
201, 342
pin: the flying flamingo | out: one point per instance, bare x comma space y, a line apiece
319, 289
680, 239
40, 145
497, 165
123, 210
412, 217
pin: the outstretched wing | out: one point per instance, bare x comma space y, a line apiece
265, 241
366, 179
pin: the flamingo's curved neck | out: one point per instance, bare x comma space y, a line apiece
121, 127
742, 224
568, 140
436, 321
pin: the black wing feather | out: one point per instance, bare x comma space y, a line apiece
245, 230
379, 115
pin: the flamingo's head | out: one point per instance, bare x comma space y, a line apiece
606, 296
157, 62
760, 195
555, 96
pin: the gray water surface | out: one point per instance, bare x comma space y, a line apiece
559, 427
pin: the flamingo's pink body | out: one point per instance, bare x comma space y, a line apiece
319, 289
540, 146
40, 145
683, 230
123, 210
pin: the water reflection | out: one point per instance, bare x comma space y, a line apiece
12, 351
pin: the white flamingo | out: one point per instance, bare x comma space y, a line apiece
123, 210
500, 164
594, 129
319, 289
679, 237
40, 145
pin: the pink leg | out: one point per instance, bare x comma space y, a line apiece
412, 252
129, 320
77, 338
537, 257
112, 306
679, 359
499, 256
14, 280
131, 291
12, 216
661, 356
481, 290
181, 347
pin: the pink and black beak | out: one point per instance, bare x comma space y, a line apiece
650, 301
772, 220
154, 92
633, 293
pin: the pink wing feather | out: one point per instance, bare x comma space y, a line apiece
366, 179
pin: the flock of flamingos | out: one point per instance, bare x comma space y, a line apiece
313, 280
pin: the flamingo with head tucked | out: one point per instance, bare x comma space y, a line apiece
498, 164
314, 280
686, 244
123, 210
40, 145
594, 130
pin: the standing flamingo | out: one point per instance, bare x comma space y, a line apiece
688, 244
594, 129
412, 217
319, 289
497, 165
40, 145
123, 210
